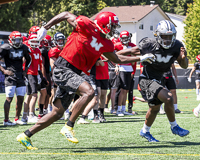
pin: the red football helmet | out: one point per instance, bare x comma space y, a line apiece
33, 41
107, 22
34, 29
47, 41
198, 58
15, 39
125, 37
24, 38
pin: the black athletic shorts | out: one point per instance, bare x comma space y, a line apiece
103, 84
197, 76
125, 80
67, 79
169, 82
150, 88
32, 86
15, 80
113, 81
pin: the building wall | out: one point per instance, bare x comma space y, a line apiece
151, 19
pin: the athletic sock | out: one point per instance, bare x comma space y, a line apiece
70, 113
175, 106
101, 110
146, 128
41, 108
173, 124
25, 115
28, 133
83, 116
197, 91
70, 123
119, 108
123, 108
95, 112
106, 105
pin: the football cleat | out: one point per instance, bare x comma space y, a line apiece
102, 118
8, 123
25, 141
195, 112
19, 122
69, 134
119, 114
82, 121
96, 119
179, 131
178, 111
148, 136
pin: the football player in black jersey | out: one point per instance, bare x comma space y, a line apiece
13, 54
166, 49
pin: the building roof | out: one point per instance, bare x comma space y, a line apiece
132, 13
180, 17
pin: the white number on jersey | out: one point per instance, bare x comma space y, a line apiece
95, 45
159, 58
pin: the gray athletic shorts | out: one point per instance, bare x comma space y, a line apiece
68, 80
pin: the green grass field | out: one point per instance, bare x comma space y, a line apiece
117, 139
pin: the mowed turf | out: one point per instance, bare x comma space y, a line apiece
116, 139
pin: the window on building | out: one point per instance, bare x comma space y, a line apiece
151, 28
141, 26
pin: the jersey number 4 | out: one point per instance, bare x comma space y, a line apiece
95, 45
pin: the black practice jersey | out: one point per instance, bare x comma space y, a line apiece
44, 53
164, 57
197, 67
13, 57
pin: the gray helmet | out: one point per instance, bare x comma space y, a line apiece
165, 27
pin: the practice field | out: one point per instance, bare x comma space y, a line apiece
116, 139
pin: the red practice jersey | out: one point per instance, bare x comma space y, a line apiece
85, 45
119, 46
54, 52
36, 57
102, 71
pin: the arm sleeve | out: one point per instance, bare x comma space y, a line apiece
27, 57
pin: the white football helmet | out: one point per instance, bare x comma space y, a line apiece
165, 33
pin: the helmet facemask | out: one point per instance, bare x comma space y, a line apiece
166, 34
17, 42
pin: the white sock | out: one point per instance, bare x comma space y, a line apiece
123, 108
49, 107
146, 128
119, 108
161, 107
31, 114
173, 124
198, 107
197, 91
175, 106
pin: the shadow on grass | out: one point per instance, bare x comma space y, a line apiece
185, 143
82, 149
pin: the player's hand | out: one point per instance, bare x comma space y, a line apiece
183, 52
149, 57
8, 72
41, 33
189, 80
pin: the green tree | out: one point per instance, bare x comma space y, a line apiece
192, 29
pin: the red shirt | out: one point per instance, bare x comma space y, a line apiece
119, 46
102, 71
36, 57
85, 45
54, 52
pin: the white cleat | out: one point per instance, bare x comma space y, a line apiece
82, 121
195, 112
19, 122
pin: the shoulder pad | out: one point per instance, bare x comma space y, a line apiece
6, 46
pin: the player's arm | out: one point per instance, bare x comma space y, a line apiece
120, 59
182, 58
175, 73
133, 51
52, 60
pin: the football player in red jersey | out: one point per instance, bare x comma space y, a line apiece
13, 54
125, 71
86, 44
32, 74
